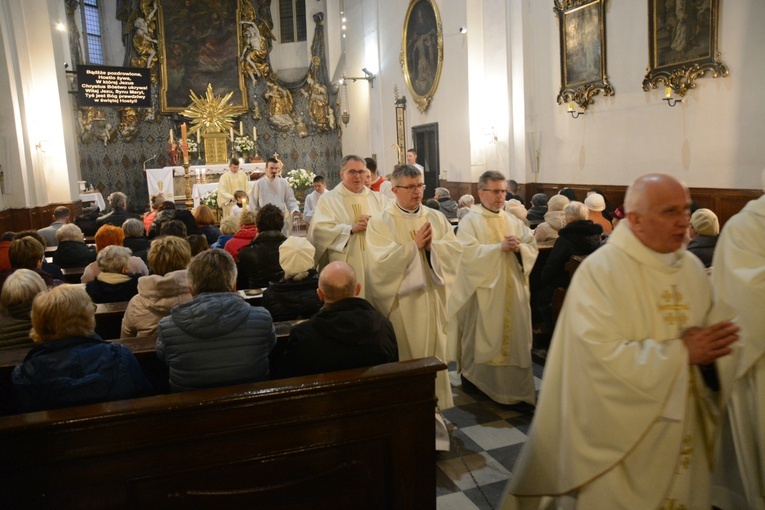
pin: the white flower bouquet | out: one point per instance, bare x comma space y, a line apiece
243, 144
210, 199
192, 145
300, 178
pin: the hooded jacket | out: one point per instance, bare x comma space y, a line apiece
112, 287
157, 296
77, 371
348, 334
242, 238
258, 263
289, 300
15, 325
448, 207
216, 339
73, 254
548, 230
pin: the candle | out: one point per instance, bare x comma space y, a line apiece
668, 92
171, 136
241, 128
254, 134
244, 203
571, 107
198, 138
183, 134
231, 132
204, 171
197, 171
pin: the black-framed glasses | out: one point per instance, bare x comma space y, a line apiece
411, 188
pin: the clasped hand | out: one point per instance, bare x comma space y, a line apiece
511, 243
705, 345
424, 236
360, 225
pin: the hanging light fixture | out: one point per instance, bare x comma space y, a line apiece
345, 116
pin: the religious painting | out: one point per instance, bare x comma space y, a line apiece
682, 43
199, 43
582, 51
422, 51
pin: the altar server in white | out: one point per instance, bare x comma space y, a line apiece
339, 224
228, 184
274, 189
738, 277
626, 415
490, 331
413, 260
319, 187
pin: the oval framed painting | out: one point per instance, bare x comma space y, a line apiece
422, 51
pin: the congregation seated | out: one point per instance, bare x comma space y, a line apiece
72, 250
244, 235
118, 214
205, 219
580, 236
16, 299
28, 253
168, 212
109, 235
162, 290
198, 244
608, 211
228, 227
465, 203
536, 214
114, 282
348, 332
135, 238
433, 204
49, 267
60, 218
71, 365
258, 263
447, 204
148, 218
87, 220
294, 296
515, 208
217, 338
173, 228
704, 232
555, 219
569, 193
597, 204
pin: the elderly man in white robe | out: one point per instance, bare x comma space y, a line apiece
274, 189
339, 224
413, 260
229, 183
636, 372
738, 277
490, 329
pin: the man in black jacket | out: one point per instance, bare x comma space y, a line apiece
346, 333
118, 214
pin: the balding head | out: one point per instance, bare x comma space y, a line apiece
337, 281
658, 210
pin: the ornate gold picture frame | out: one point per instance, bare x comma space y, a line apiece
422, 51
198, 47
583, 75
682, 43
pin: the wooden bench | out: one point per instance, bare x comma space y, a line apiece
359, 438
72, 274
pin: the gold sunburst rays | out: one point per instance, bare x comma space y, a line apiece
211, 113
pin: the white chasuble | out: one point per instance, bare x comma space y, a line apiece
276, 191
490, 315
623, 420
228, 184
330, 229
738, 277
410, 290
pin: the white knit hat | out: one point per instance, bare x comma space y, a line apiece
705, 222
296, 255
595, 202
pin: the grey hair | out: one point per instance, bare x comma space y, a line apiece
351, 157
466, 200
113, 259
133, 228
69, 232
20, 288
442, 192
489, 175
576, 211
401, 171
117, 199
212, 271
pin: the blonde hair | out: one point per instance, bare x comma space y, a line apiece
62, 312
169, 253
229, 225
247, 218
20, 288
69, 232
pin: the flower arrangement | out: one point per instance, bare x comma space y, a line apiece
210, 199
243, 144
300, 178
192, 145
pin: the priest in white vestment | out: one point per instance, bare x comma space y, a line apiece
490, 329
631, 392
413, 260
738, 277
274, 189
229, 183
339, 224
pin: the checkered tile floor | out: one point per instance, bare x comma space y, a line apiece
486, 439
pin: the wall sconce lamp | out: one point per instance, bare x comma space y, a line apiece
671, 101
368, 75
573, 113
42, 145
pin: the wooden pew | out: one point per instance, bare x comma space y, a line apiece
72, 274
359, 438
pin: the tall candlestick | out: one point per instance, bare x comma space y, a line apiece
199, 140
254, 134
231, 132
171, 136
241, 128
183, 133
184, 145
197, 171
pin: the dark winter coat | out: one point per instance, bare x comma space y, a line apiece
73, 254
289, 300
258, 263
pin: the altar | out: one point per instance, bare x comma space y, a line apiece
164, 181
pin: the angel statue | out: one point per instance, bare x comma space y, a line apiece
143, 43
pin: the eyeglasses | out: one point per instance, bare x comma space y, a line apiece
495, 191
413, 187
355, 172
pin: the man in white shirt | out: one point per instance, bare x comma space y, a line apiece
319, 187
274, 189
411, 159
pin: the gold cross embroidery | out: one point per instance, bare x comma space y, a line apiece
686, 453
670, 505
356, 217
673, 308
